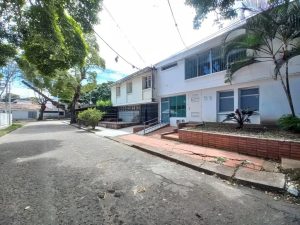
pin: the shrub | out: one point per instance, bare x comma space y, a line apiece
91, 117
103, 103
289, 123
240, 117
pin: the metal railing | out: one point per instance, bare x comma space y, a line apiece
150, 123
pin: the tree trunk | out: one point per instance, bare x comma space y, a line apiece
288, 91
73, 105
42, 109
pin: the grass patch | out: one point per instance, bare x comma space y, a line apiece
9, 129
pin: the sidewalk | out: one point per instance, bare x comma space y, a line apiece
228, 165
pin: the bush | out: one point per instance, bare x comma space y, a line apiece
289, 123
240, 117
91, 117
103, 103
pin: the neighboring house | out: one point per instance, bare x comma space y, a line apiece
22, 110
190, 86
134, 96
52, 112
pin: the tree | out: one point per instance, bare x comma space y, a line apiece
39, 81
226, 9
271, 36
49, 31
12, 96
81, 79
101, 92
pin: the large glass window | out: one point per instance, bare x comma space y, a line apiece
218, 62
249, 99
190, 68
178, 106
226, 101
204, 64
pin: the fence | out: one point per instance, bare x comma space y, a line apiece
5, 120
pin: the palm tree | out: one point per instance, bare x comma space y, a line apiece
273, 35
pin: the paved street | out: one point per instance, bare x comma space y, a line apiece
52, 173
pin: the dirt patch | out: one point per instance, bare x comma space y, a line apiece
264, 132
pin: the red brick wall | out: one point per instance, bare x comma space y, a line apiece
265, 148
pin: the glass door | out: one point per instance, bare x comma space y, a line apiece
165, 110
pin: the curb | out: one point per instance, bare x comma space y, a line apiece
262, 180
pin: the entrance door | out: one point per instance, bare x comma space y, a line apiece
165, 110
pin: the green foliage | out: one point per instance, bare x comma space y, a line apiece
50, 32
289, 123
104, 103
91, 117
101, 92
9, 129
240, 117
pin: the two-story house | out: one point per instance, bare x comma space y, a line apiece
135, 96
191, 87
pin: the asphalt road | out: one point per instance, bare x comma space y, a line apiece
52, 173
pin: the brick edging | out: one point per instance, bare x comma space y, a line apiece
266, 148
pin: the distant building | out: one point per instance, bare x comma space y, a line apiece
21, 110
135, 96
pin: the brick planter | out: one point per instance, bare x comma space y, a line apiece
266, 148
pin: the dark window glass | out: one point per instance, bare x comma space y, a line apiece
226, 101
218, 63
249, 99
204, 64
190, 68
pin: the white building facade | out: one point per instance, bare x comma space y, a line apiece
191, 87
135, 96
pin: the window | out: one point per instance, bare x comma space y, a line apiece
118, 91
249, 99
204, 64
236, 55
218, 63
129, 87
178, 106
147, 82
226, 101
190, 68
169, 66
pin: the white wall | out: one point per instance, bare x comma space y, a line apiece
23, 115
5, 120
138, 95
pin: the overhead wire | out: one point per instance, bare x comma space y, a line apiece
176, 25
124, 34
118, 55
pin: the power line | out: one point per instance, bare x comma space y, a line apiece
129, 42
176, 25
118, 55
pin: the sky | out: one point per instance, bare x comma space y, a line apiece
144, 33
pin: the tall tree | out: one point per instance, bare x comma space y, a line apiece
8, 74
83, 77
272, 36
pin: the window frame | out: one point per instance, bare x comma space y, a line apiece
227, 97
129, 90
249, 95
147, 82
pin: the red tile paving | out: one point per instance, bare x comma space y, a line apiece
157, 133
231, 159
